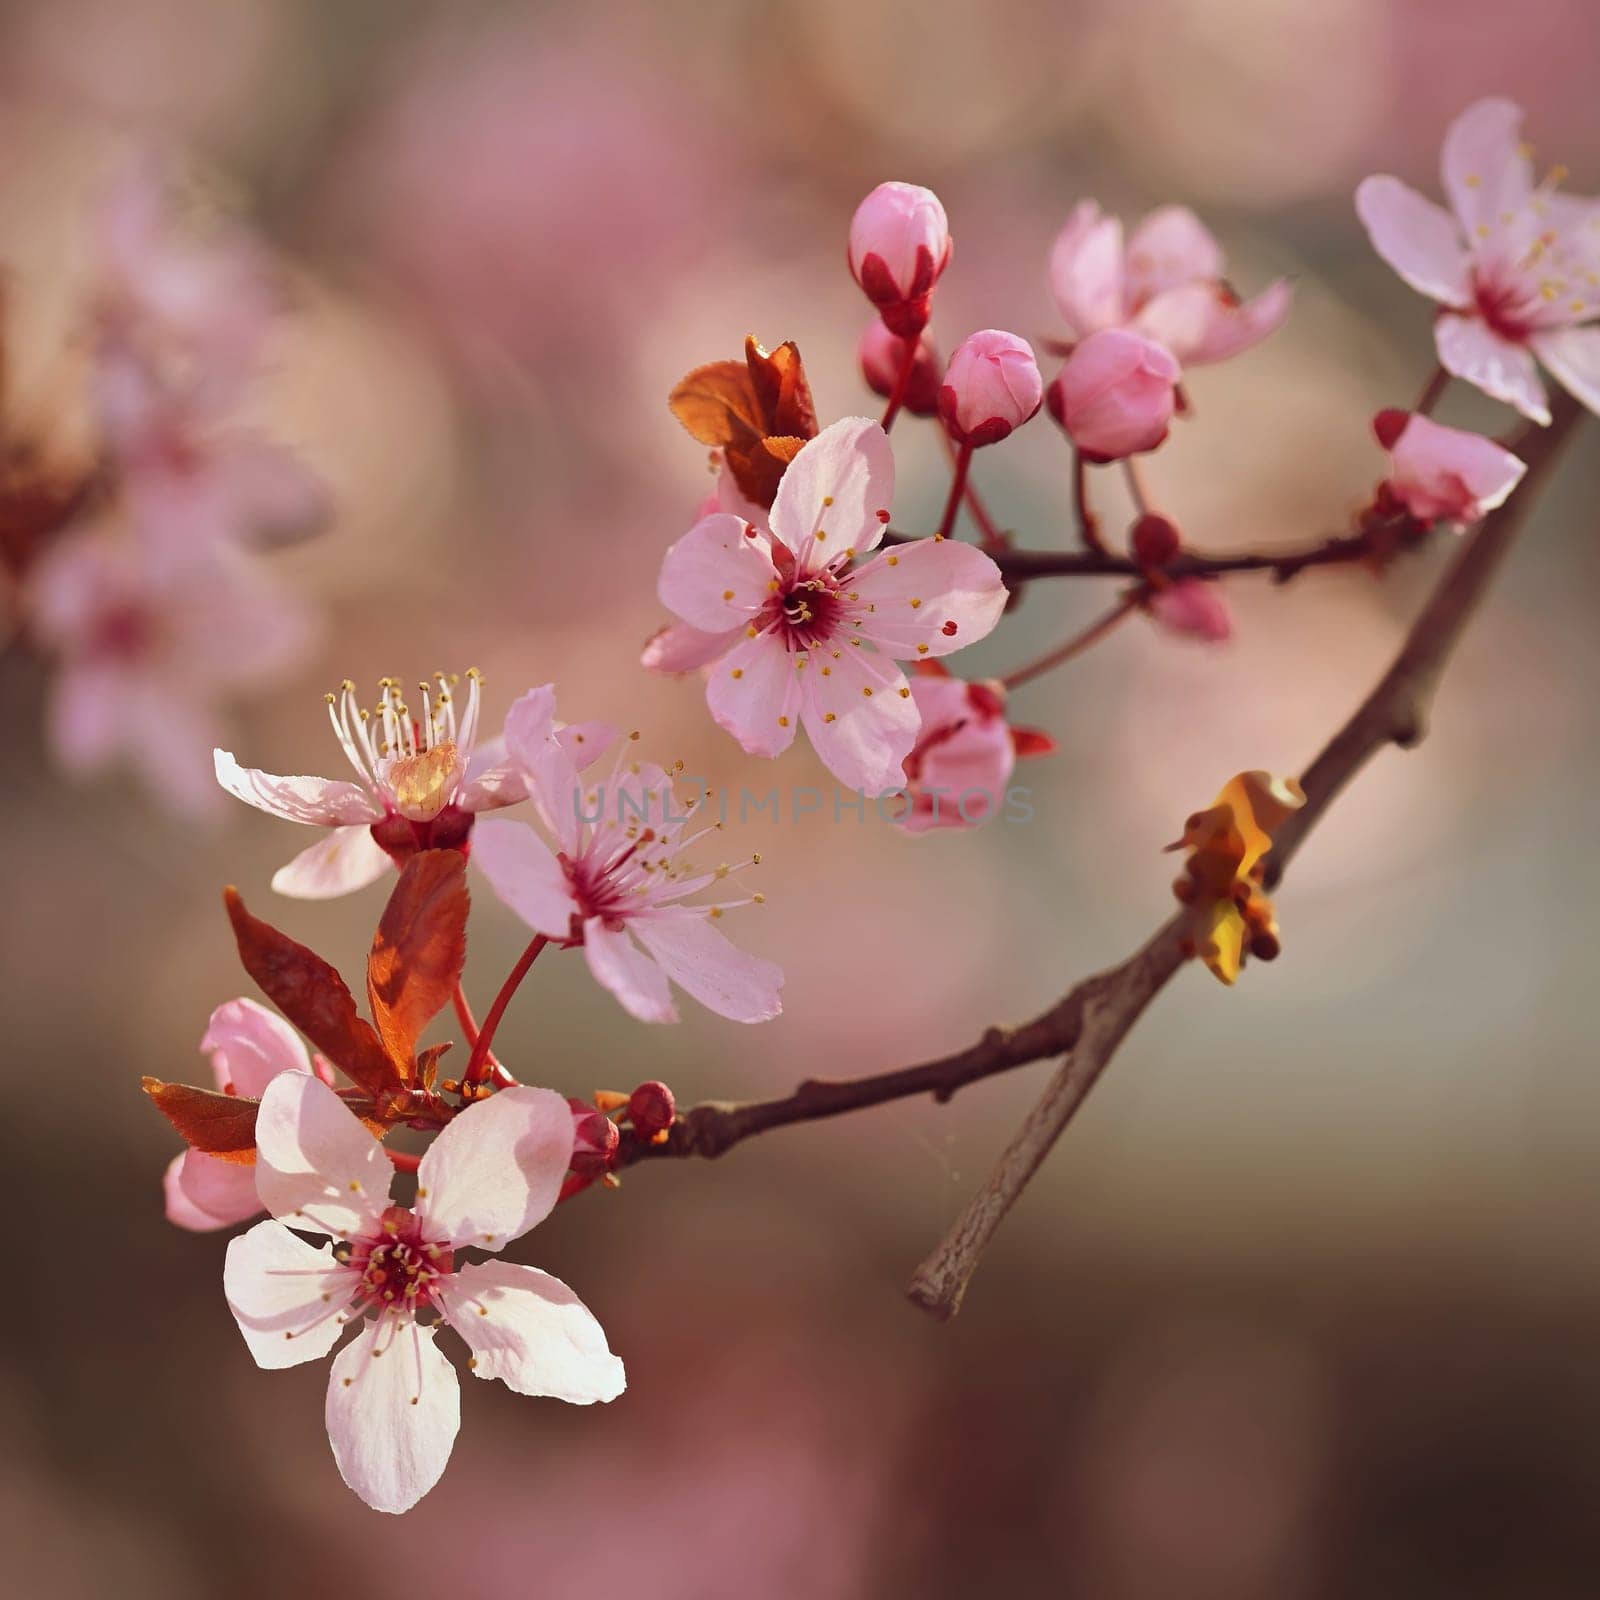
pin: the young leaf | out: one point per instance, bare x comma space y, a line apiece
420, 948
782, 393
717, 405
313, 996
222, 1125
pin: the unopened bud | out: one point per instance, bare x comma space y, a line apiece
991, 387
881, 353
651, 1109
899, 244
1155, 540
595, 1139
1115, 396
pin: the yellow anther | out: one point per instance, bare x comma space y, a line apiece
866, 689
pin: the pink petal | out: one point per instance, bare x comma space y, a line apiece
496, 1169
86, 716
631, 976
533, 746
182, 1212
1573, 357
250, 1045
716, 577
328, 802
1470, 349
1419, 239
702, 962
316, 1165
1194, 607
754, 694
1485, 168
537, 1338
861, 718
285, 1295
1200, 325
954, 582
525, 875
586, 742
1444, 472
1171, 246
270, 497
224, 1190
393, 1412
836, 486
1086, 271
680, 648
347, 859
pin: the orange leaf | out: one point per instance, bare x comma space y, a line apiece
717, 405
222, 1125
313, 996
419, 950
783, 395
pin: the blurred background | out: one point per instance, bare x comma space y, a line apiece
1308, 1301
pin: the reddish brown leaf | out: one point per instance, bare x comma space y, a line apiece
717, 404
782, 392
222, 1125
420, 948
313, 996
428, 1064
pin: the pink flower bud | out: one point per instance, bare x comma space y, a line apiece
651, 1109
1194, 607
991, 386
1155, 540
1444, 474
595, 1139
881, 352
1115, 395
899, 244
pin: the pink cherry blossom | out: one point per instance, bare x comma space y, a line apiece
991, 387
1116, 394
249, 1046
618, 881
394, 1402
1516, 266
959, 769
899, 245
1194, 607
881, 352
150, 641
816, 636
181, 336
1167, 283
422, 776
1445, 474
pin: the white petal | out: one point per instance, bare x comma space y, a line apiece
837, 486
1573, 357
630, 975
495, 1170
316, 1165
285, 1295
1420, 240
347, 860
531, 1332
1485, 168
492, 789
1470, 349
181, 1211
250, 1045
697, 957
393, 1412
326, 802
525, 875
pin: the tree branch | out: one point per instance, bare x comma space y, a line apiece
1089, 1023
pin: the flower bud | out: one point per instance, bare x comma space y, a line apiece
1194, 607
651, 1109
899, 244
991, 386
595, 1139
1155, 540
1115, 395
1444, 474
881, 352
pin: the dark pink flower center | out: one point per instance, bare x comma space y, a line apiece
400, 838
398, 1268
809, 612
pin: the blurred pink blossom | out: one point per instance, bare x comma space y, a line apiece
1116, 394
814, 637
1194, 607
1167, 283
1516, 266
491, 1174
1445, 474
620, 876
881, 353
991, 387
899, 245
150, 640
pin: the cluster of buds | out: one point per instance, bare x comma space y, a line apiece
648, 1112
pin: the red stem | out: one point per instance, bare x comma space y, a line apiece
1088, 523
403, 1160
479, 1063
988, 530
1075, 646
902, 381
958, 484
1432, 391
469, 1025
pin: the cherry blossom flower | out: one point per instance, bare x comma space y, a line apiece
394, 1402
959, 769
1116, 394
814, 637
991, 387
149, 641
880, 353
1516, 266
1444, 474
899, 245
619, 879
1167, 284
1194, 607
249, 1046
421, 781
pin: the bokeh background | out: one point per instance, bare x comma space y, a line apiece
1308, 1301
